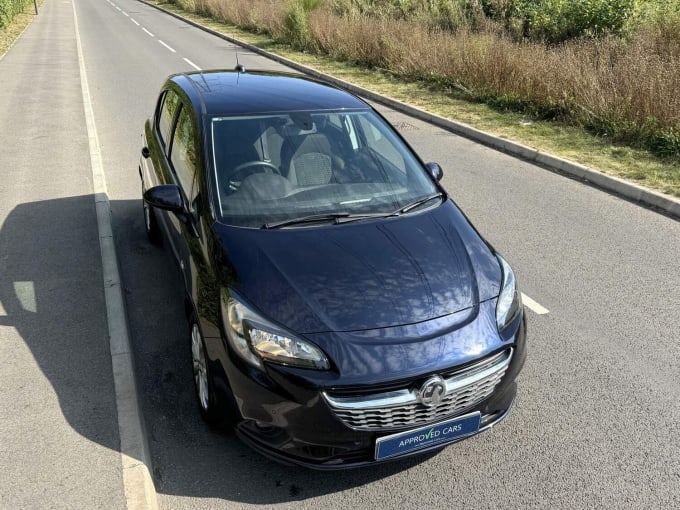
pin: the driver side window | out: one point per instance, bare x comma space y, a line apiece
184, 155
166, 116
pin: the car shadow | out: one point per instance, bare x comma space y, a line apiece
51, 292
54, 298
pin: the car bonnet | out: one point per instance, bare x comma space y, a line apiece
362, 275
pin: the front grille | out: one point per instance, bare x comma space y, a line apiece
402, 408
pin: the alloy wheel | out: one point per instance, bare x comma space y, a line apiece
200, 367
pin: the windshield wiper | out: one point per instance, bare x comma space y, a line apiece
345, 217
415, 204
336, 218
314, 218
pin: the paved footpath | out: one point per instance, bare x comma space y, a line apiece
59, 443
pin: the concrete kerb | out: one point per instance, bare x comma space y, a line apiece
138, 486
614, 185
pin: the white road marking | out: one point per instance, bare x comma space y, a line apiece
121, 10
139, 490
125, 14
192, 64
533, 305
147, 31
134, 21
168, 47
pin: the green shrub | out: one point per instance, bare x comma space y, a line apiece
296, 22
9, 9
500, 10
555, 21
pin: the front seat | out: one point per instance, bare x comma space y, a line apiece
234, 145
310, 160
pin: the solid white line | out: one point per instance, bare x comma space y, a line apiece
134, 21
147, 31
125, 14
192, 64
140, 493
168, 47
533, 305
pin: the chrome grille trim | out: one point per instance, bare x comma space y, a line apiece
401, 408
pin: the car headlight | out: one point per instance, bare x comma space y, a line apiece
509, 301
255, 338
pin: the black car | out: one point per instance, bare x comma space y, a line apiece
342, 309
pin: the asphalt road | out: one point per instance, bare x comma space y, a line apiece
58, 430
597, 420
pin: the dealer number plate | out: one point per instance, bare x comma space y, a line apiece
425, 437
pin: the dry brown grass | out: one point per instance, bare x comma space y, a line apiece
622, 88
261, 16
609, 78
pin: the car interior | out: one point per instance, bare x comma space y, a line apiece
297, 163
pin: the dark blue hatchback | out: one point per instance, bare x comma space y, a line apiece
342, 309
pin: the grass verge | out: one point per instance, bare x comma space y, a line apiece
569, 142
10, 33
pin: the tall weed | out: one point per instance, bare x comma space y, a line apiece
296, 22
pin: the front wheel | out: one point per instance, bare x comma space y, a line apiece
203, 384
218, 410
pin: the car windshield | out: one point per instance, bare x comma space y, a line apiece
279, 167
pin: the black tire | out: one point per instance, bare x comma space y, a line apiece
217, 409
204, 387
153, 231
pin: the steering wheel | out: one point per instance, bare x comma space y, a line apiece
248, 168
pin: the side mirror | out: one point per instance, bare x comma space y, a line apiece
165, 196
435, 170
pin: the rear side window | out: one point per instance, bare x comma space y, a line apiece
167, 115
184, 156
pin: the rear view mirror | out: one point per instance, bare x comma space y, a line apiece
165, 196
435, 170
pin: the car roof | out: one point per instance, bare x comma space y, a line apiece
222, 92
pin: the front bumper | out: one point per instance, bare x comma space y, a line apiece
286, 418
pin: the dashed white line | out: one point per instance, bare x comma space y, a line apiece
147, 31
168, 47
192, 64
533, 305
134, 21
121, 10
125, 14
